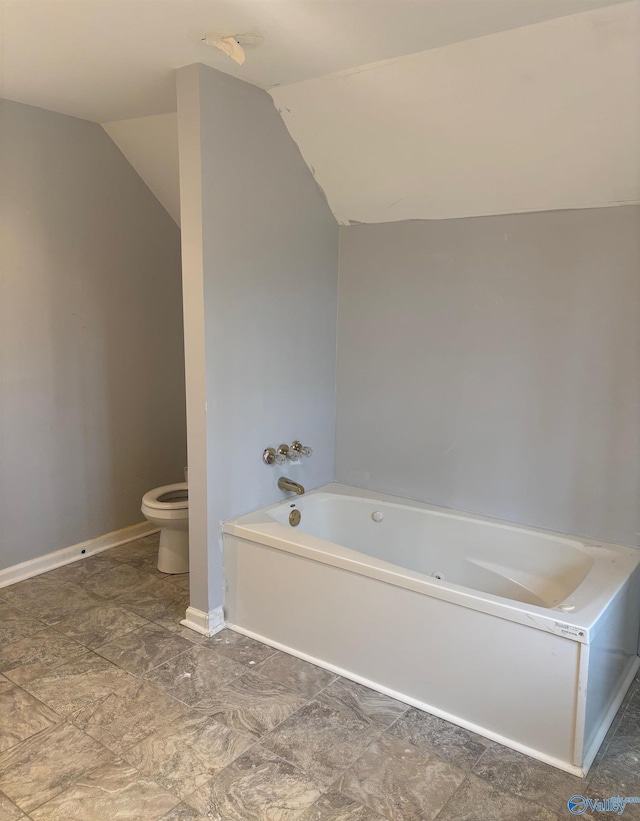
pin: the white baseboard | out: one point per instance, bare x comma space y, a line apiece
207, 624
34, 567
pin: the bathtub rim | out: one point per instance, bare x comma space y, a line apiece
580, 626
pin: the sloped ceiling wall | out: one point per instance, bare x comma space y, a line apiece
537, 118
151, 146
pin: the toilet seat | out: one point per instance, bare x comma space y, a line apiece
167, 508
178, 497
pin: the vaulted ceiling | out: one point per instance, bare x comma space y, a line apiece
403, 109
107, 60
539, 118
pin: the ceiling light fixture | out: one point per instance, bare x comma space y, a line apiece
233, 44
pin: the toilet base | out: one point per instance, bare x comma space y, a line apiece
173, 553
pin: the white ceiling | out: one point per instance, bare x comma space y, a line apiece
538, 118
107, 60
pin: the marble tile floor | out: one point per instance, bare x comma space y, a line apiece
109, 709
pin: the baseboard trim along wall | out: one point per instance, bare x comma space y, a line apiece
208, 624
34, 567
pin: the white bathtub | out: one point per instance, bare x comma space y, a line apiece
524, 636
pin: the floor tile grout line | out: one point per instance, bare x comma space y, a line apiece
66, 719
453, 794
141, 676
402, 715
249, 670
136, 589
48, 669
352, 764
69, 717
380, 732
478, 760
235, 761
44, 704
214, 718
19, 608
328, 787
4, 795
120, 635
257, 741
115, 758
69, 785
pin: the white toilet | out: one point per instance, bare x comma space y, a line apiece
168, 508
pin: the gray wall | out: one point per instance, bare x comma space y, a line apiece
491, 365
261, 236
91, 360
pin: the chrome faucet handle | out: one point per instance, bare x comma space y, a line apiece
284, 453
303, 450
271, 456
288, 453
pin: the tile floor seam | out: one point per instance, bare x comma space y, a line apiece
49, 669
257, 672
23, 612
97, 607
229, 683
39, 700
452, 796
245, 672
173, 658
86, 774
280, 723
140, 675
499, 790
29, 636
75, 780
257, 742
402, 715
478, 760
6, 797
130, 609
311, 698
115, 598
352, 763
236, 759
33, 737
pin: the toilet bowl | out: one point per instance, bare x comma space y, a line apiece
168, 508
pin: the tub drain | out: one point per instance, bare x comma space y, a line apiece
438, 574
